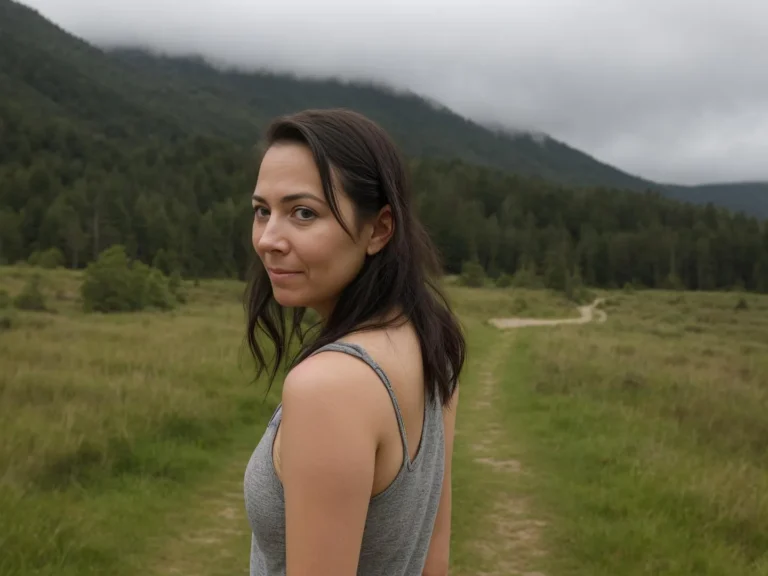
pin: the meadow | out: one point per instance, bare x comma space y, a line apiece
636, 446
648, 435
105, 420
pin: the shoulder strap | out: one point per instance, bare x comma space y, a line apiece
359, 352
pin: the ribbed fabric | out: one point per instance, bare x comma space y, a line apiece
400, 519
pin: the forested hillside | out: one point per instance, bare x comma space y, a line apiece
131, 93
608, 237
157, 154
747, 197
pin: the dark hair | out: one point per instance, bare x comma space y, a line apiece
403, 275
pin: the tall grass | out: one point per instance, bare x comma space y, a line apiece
649, 435
108, 420
104, 417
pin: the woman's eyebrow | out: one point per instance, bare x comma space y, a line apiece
290, 198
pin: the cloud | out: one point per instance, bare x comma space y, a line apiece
673, 90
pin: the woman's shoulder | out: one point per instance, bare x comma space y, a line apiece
336, 380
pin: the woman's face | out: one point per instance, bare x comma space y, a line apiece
309, 257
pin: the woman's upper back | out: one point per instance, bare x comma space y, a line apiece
402, 501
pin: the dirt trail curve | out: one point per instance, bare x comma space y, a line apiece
586, 314
508, 542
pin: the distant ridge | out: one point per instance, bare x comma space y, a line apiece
135, 93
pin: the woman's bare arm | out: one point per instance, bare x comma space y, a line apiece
328, 456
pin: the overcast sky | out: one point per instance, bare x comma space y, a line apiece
673, 90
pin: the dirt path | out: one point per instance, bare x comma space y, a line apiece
211, 536
586, 314
508, 540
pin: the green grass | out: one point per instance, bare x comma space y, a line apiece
648, 436
470, 489
485, 303
105, 420
111, 426
631, 447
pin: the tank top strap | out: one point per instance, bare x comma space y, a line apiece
359, 352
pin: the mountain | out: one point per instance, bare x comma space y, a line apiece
135, 95
747, 197
156, 154
420, 127
143, 92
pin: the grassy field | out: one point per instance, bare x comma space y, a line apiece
636, 446
648, 436
106, 422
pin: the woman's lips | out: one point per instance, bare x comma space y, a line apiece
282, 273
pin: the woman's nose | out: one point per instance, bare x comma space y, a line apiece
272, 237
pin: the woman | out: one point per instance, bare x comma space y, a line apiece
353, 474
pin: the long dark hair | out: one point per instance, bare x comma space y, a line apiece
402, 276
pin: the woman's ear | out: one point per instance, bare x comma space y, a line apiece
381, 233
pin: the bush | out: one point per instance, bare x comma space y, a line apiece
580, 295
30, 298
526, 277
176, 286
114, 284
157, 293
109, 284
51, 258
504, 281
575, 289
472, 274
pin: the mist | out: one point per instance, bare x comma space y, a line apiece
671, 90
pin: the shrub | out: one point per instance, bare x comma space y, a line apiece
50, 258
157, 293
176, 286
114, 284
109, 284
504, 281
472, 274
30, 298
575, 289
526, 277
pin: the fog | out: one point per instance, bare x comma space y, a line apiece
673, 90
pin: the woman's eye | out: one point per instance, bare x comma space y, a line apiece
260, 212
304, 214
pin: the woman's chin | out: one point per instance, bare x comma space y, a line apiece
288, 298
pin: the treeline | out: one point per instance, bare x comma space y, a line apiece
609, 238
184, 205
179, 204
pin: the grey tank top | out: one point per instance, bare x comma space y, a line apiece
400, 520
